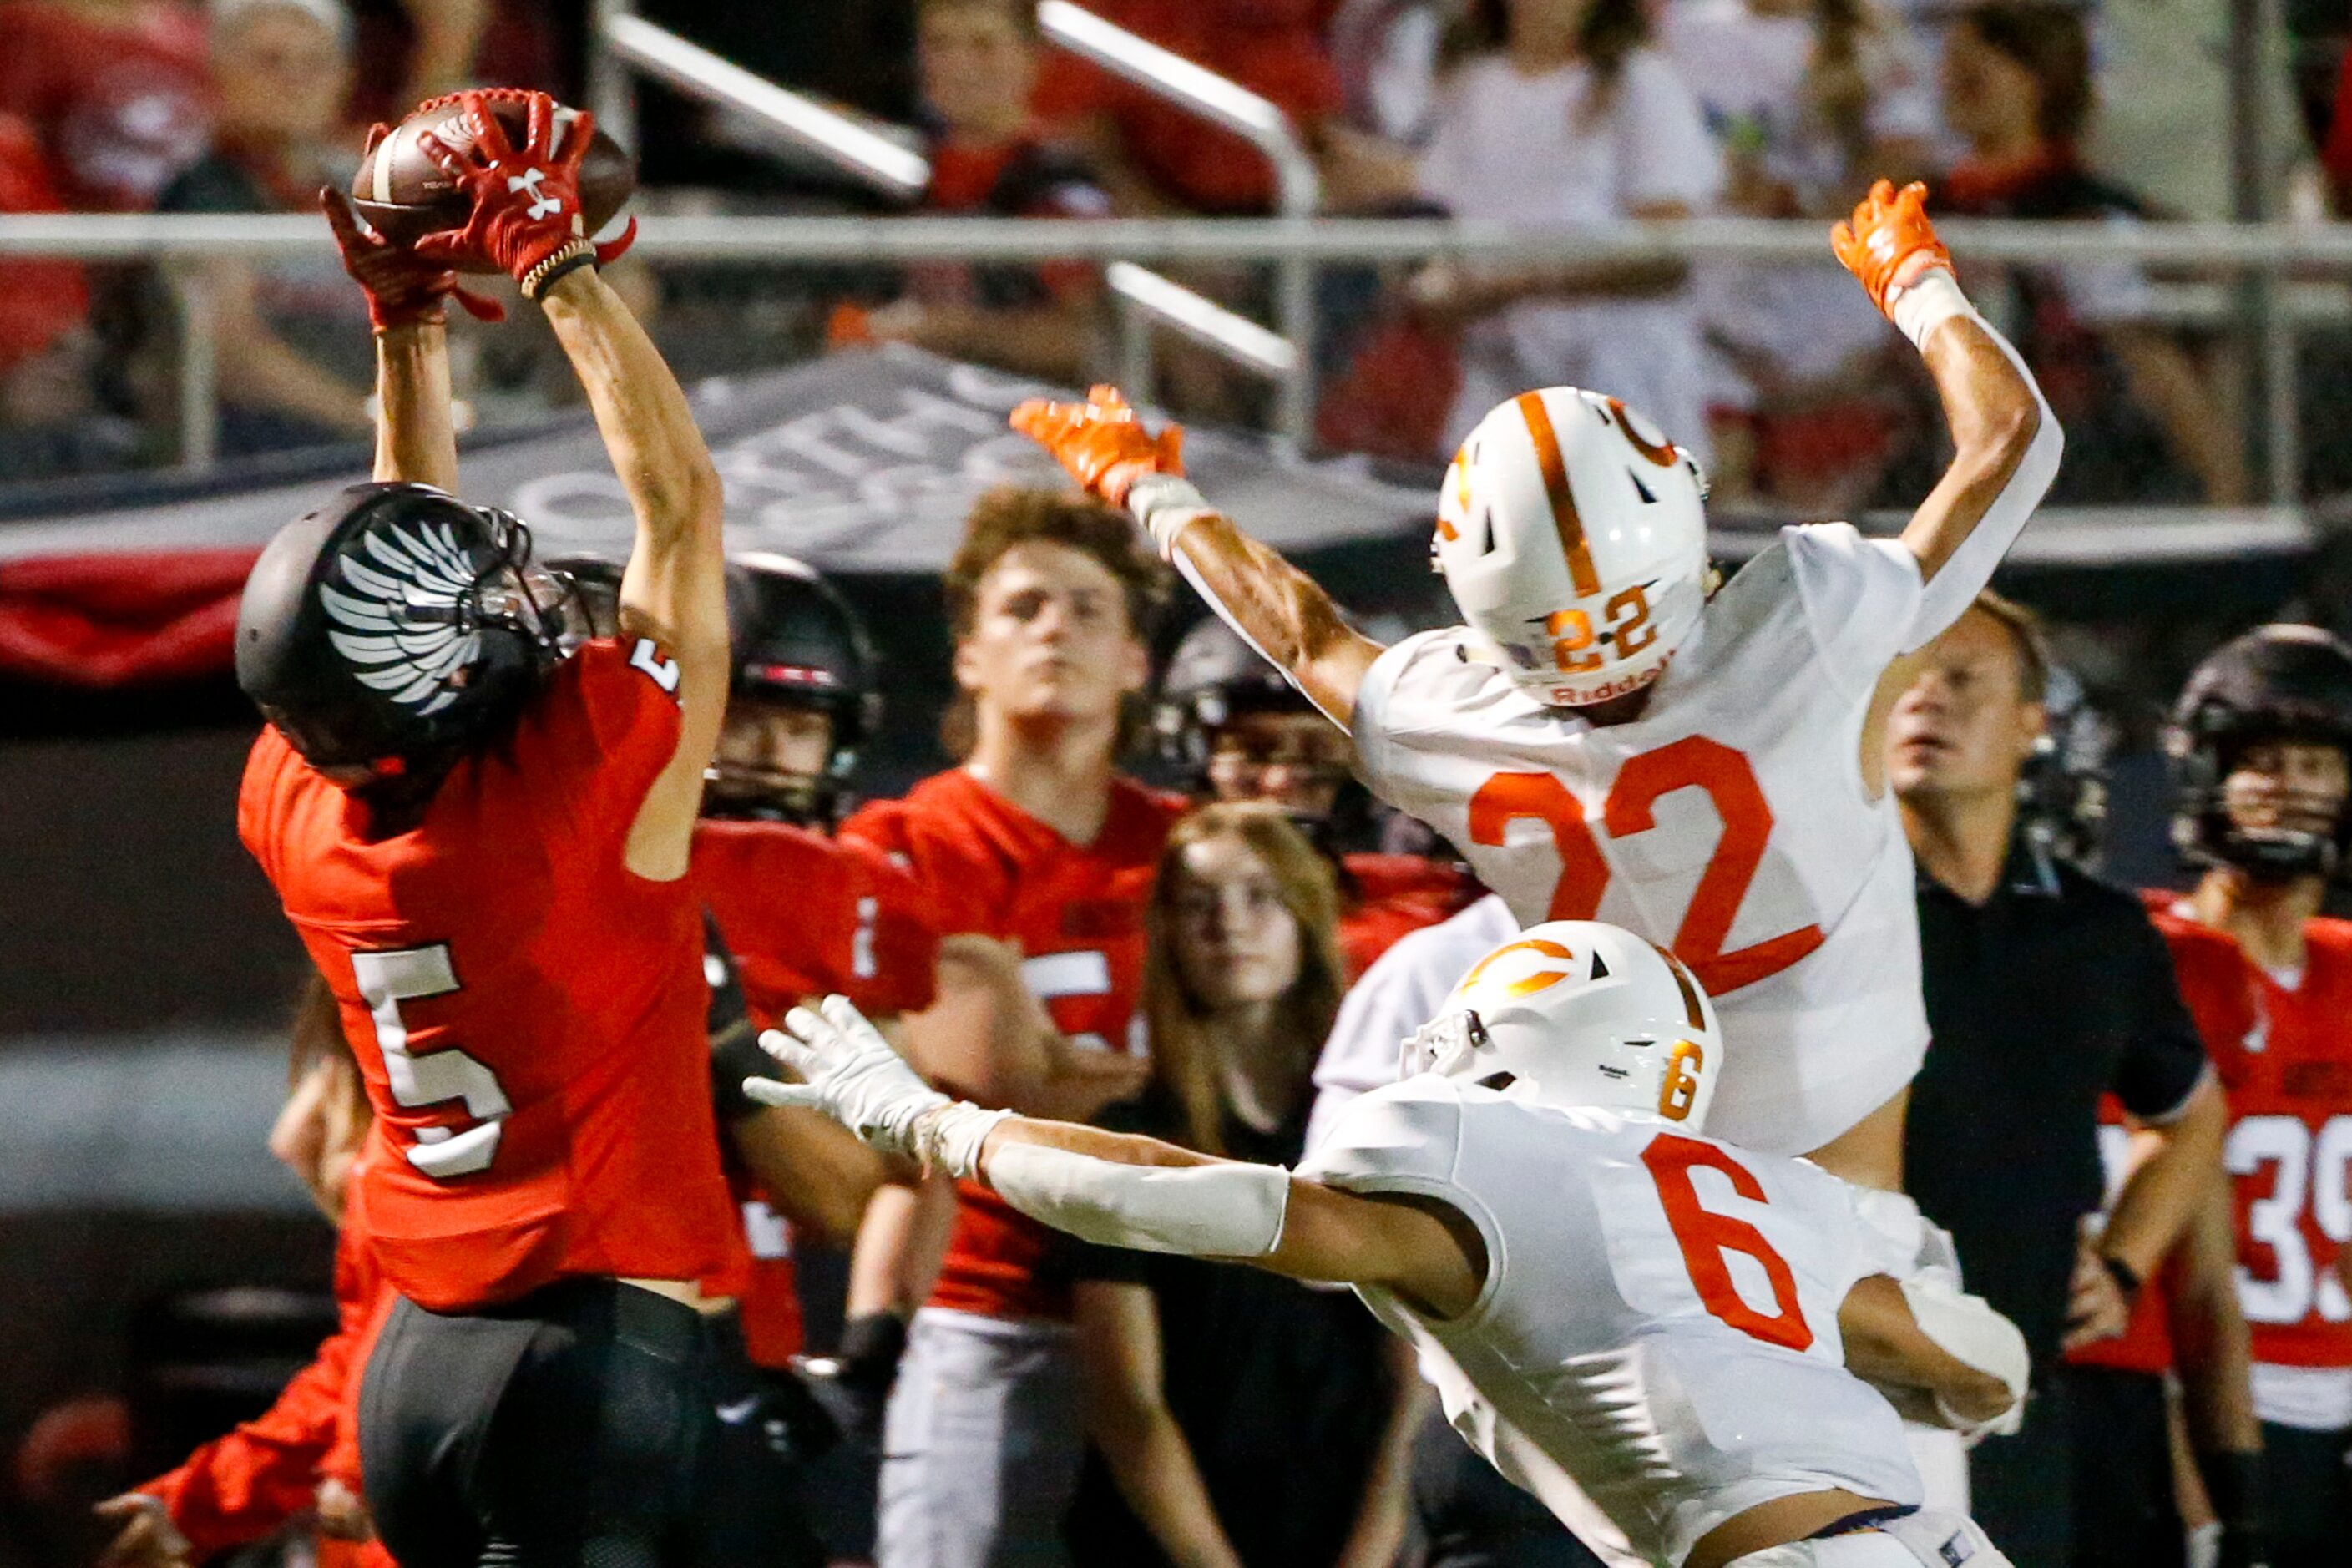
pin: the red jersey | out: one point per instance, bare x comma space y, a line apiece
2283, 1054
2146, 1343
527, 1012
804, 915
1393, 896
991, 868
122, 102
240, 1488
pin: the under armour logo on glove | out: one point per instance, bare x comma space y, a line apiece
543, 204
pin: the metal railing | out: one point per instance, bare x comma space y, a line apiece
2306, 265
1298, 192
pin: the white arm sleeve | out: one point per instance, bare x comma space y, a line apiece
1968, 1329
1226, 1210
1954, 586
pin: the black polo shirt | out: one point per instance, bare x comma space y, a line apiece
2054, 989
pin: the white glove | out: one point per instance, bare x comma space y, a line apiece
1970, 1330
857, 1079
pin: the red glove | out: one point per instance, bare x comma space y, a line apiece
401, 289
526, 219
1890, 244
1101, 442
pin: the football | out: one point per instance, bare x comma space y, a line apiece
403, 195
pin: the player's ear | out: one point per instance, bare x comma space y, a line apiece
966, 665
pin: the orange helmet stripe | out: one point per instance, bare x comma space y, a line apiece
1526, 984
1563, 501
1690, 991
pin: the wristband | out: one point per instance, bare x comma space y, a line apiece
948, 1137
1919, 308
1163, 504
2126, 1276
577, 254
871, 1344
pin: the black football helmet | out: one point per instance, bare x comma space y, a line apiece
2062, 792
395, 625
1211, 676
797, 643
2275, 683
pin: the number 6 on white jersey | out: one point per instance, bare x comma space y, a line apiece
406, 974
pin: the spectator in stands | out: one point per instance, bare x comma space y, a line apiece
1562, 114
115, 89
977, 61
1238, 1420
1809, 101
2016, 87
1155, 156
2163, 129
294, 353
2045, 988
50, 424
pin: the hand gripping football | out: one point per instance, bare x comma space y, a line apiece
403, 194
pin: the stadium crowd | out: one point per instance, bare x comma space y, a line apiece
2135, 1113
2035, 109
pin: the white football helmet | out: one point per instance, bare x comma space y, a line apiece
1574, 539
1575, 1014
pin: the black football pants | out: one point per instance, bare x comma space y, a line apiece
577, 1427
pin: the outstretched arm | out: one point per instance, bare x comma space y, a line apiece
1276, 608
407, 295
1967, 1358
2006, 443
525, 221
675, 587
1121, 1190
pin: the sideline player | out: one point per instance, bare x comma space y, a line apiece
1603, 739
483, 843
1664, 1317
1034, 841
1240, 732
2262, 738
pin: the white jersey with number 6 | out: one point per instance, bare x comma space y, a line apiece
1660, 1312
1731, 822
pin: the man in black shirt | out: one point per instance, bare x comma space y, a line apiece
2044, 988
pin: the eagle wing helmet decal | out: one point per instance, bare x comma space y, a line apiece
408, 629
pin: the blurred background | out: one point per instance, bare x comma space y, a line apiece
1325, 233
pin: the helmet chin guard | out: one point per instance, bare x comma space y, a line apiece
1573, 1014
1573, 537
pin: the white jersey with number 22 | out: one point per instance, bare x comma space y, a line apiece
1731, 822
1659, 1317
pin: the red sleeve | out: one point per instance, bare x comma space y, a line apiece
258, 796
600, 732
239, 1488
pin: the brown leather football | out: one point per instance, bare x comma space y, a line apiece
403, 194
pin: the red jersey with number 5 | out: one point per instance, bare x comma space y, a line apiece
1729, 820
527, 1012
989, 868
2282, 1047
1660, 1313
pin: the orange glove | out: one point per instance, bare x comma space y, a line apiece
1890, 244
1101, 442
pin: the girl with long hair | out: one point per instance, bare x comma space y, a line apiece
1240, 1420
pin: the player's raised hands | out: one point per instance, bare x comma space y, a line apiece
855, 1076
403, 288
1888, 244
1101, 442
526, 216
